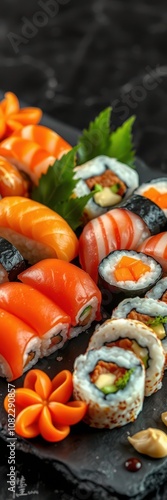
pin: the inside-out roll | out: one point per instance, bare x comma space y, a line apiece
158, 291
152, 312
135, 336
112, 382
112, 181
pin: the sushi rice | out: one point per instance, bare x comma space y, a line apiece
114, 409
145, 310
139, 287
145, 344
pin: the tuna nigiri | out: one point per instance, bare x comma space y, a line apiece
19, 346
47, 319
156, 246
116, 230
70, 287
36, 230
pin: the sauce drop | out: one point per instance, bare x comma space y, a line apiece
133, 464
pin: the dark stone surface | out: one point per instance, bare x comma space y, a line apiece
73, 62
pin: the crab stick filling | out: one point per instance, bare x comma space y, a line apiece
132, 345
130, 269
109, 377
154, 195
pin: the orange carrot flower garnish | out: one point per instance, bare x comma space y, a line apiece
12, 118
43, 406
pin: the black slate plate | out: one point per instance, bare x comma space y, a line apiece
90, 462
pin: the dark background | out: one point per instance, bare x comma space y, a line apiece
73, 62
82, 56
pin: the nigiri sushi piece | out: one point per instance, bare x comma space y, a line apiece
27, 156
118, 229
48, 320
48, 139
11, 261
13, 118
156, 246
37, 231
70, 287
19, 346
12, 182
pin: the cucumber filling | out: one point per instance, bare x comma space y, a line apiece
120, 384
85, 316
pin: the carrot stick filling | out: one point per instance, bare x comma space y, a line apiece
130, 269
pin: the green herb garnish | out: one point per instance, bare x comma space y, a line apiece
56, 187
55, 190
119, 384
98, 139
159, 320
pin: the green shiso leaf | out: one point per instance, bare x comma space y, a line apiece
99, 140
56, 187
121, 143
95, 140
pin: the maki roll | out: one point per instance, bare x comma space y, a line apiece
11, 261
39, 312
71, 288
111, 180
111, 382
129, 272
135, 336
152, 312
152, 214
156, 191
20, 346
159, 291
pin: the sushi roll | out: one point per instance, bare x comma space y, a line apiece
152, 214
111, 382
128, 272
37, 231
133, 335
112, 181
70, 288
151, 312
20, 346
159, 291
49, 322
156, 247
11, 261
156, 191
118, 229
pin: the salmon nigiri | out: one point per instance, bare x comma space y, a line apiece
49, 321
70, 287
37, 231
48, 139
12, 182
19, 346
27, 156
